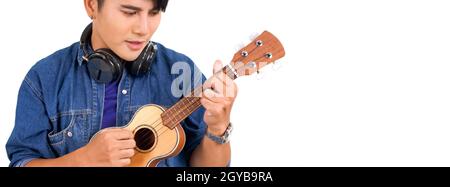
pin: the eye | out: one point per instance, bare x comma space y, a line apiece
154, 13
129, 13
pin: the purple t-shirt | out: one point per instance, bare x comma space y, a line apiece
110, 106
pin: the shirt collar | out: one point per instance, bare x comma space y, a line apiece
81, 52
80, 55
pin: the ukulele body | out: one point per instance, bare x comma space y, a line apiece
154, 141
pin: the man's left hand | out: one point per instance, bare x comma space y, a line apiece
217, 98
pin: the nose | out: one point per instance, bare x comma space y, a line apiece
141, 26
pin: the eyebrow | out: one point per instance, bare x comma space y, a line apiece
131, 7
135, 8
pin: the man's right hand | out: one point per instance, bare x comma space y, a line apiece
110, 147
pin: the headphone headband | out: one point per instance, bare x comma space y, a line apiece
87, 33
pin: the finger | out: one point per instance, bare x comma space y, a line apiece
207, 103
231, 89
227, 81
126, 153
126, 144
213, 96
217, 85
209, 93
217, 66
110, 130
122, 134
212, 108
224, 85
115, 134
209, 84
123, 162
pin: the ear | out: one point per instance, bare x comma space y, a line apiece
91, 7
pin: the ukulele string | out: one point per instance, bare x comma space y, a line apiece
194, 105
160, 122
227, 71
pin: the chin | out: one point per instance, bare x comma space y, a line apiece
130, 59
129, 56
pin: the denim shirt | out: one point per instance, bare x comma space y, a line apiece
59, 106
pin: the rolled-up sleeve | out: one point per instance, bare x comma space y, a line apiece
195, 129
28, 139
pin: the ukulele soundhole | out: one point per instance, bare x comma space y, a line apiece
145, 139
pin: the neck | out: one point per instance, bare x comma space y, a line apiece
96, 40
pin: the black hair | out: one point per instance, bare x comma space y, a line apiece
159, 4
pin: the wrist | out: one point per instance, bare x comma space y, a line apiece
74, 159
222, 137
79, 157
217, 131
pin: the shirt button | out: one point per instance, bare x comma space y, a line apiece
69, 134
124, 92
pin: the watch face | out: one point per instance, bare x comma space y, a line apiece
227, 133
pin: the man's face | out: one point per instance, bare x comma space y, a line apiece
125, 26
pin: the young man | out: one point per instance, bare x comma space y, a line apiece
62, 102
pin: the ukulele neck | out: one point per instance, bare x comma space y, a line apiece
190, 103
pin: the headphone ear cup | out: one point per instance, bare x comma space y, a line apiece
142, 64
137, 67
104, 66
115, 61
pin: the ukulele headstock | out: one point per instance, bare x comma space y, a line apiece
263, 50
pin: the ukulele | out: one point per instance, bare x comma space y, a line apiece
158, 133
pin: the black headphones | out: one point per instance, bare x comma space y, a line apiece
105, 66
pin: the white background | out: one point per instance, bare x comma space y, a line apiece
364, 83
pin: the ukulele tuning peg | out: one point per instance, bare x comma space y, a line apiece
252, 65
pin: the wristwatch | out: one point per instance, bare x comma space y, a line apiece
225, 138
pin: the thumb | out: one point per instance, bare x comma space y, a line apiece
217, 66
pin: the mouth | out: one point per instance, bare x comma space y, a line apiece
135, 45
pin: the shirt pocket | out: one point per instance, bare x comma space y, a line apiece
71, 131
